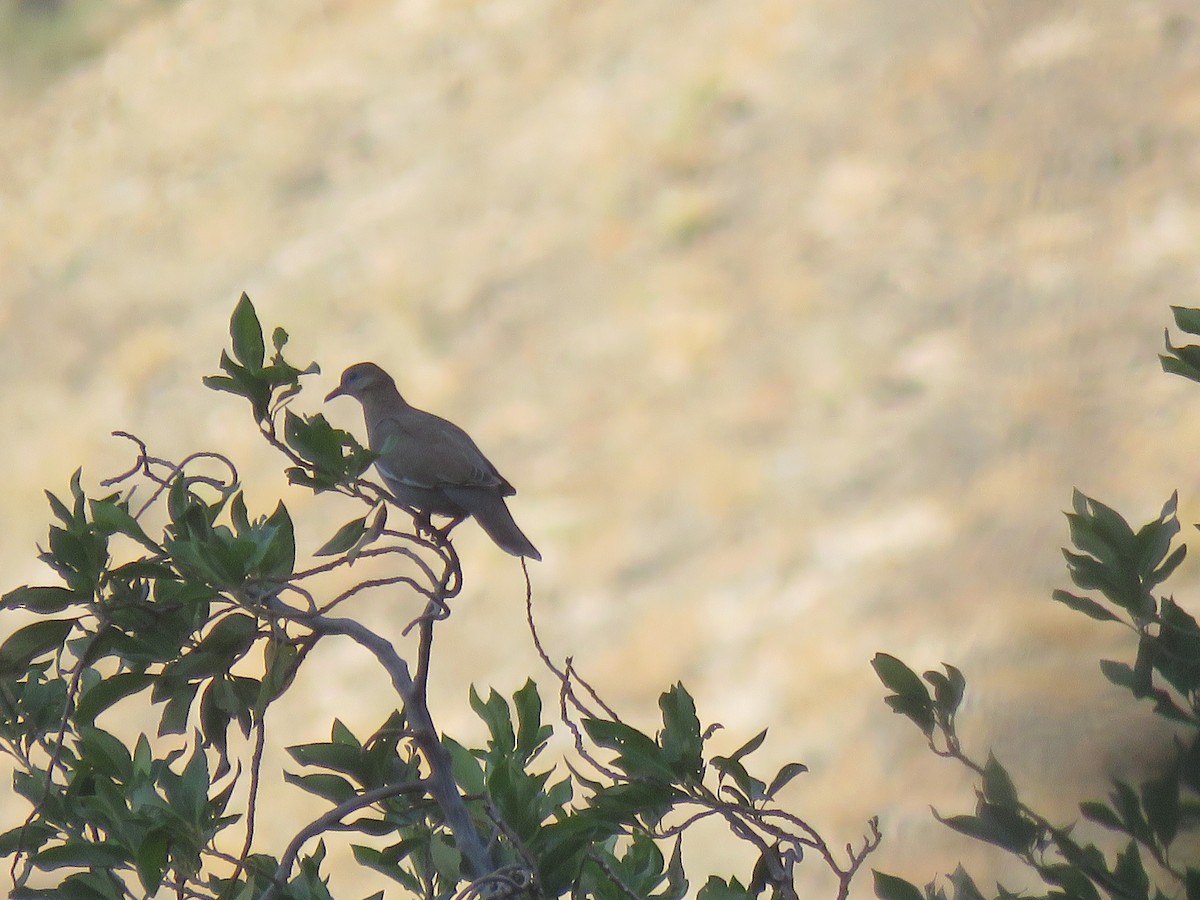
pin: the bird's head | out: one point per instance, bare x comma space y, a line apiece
361, 379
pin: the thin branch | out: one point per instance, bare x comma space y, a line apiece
612, 876
251, 802
870, 842
441, 779
345, 560
507, 881
55, 757
608, 710
375, 583
144, 462
576, 733
330, 819
513, 838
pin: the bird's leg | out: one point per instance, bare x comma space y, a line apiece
443, 533
423, 522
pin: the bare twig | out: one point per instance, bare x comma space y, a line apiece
260, 735
612, 876
440, 782
55, 758
328, 820
144, 462
507, 881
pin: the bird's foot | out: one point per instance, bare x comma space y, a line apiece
423, 523
443, 533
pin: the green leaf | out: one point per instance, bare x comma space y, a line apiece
1154, 538
1170, 564
496, 716
32, 641
143, 756
78, 853
531, 735
223, 383
889, 887
681, 742
623, 803
1186, 319
1099, 813
279, 337
920, 713
217, 652
717, 888
637, 754
446, 858
995, 825
1075, 882
340, 734
747, 748
1179, 364
785, 775
1131, 874
339, 757
60, 510
749, 789
899, 678
1121, 674
112, 689
247, 335
151, 858
97, 884
178, 707
27, 837
966, 889
949, 689
677, 883
42, 600
278, 557
188, 794
1160, 800
314, 439
238, 514
333, 788
282, 663
468, 771
112, 518
232, 634
1085, 605
345, 538
1118, 583
388, 863
997, 785
255, 386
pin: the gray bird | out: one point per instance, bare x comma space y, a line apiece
430, 464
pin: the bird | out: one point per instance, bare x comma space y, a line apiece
430, 464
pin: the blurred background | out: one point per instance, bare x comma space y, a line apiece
794, 322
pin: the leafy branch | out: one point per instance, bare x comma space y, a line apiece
191, 605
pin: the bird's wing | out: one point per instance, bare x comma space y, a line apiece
424, 450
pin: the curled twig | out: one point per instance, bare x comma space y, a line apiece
145, 463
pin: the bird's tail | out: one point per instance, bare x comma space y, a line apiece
491, 512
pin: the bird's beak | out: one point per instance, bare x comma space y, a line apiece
336, 392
